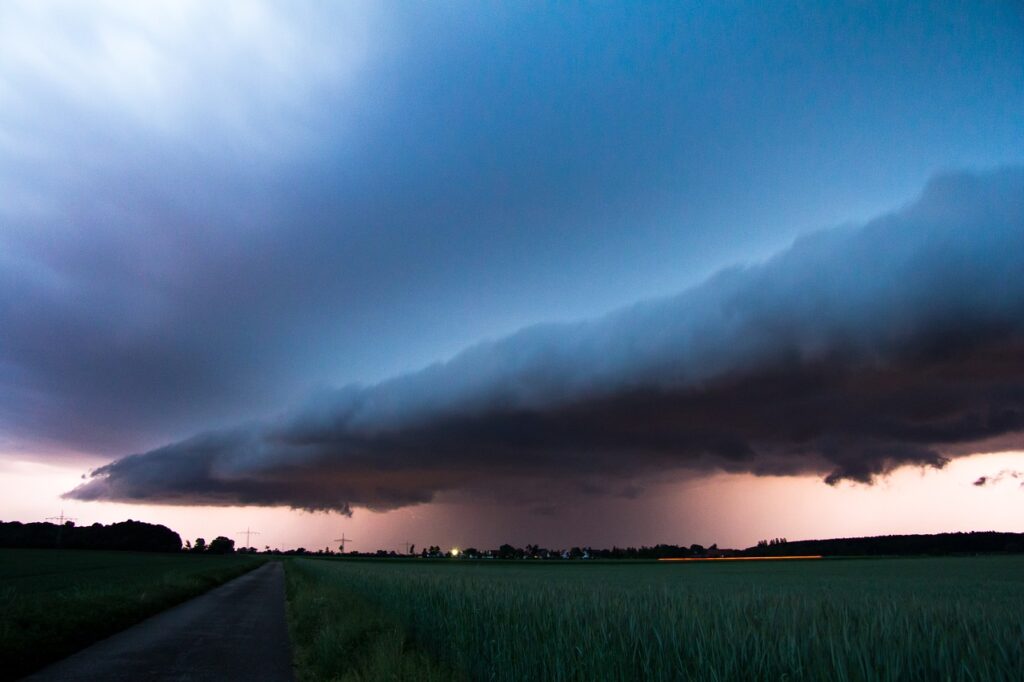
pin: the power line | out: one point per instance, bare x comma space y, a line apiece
247, 533
343, 540
62, 519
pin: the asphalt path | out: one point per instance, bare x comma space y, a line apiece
234, 632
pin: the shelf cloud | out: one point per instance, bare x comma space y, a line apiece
855, 351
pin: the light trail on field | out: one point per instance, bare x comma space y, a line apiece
748, 558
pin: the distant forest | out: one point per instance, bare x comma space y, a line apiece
126, 535
882, 545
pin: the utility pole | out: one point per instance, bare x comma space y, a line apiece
407, 546
343, 540
247, 533
61, 519
60, 525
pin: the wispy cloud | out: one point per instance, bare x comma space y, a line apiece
1005, 474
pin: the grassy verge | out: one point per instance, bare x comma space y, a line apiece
54, 602
892, 619
337, 635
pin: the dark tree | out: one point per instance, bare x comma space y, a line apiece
222, 545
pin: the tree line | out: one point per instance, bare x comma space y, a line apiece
147, 537
126, 535
219, 545
985, 542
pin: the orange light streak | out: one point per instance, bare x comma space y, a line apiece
750, 558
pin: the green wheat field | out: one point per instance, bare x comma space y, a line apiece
54, 602
956, 618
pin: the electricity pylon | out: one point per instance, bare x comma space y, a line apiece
247, 533
60, 518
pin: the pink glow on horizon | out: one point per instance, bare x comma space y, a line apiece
733, 510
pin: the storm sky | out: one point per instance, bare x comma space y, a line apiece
363, 256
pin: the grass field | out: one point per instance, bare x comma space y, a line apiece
54, 602
863, 619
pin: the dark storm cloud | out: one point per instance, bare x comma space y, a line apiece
857, 350
209, 208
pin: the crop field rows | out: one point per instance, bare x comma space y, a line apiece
867, 619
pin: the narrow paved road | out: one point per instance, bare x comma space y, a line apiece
234, 632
